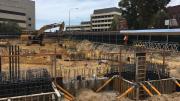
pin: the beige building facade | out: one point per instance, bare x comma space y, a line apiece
102, 18
20, 11
84, 26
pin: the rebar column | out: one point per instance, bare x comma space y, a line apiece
15, 61
12, 62
14, 70
10, 68
18, 63
0, 69
0, 65
55, 72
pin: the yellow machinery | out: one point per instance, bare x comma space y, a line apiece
36, 37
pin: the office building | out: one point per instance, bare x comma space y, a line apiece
73, 28
20, 11
102, 19
84, 26
174, 13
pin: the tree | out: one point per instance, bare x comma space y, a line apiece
140, 13
114, 25
159, 19
10, 27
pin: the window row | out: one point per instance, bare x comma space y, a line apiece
103, 25
99, 21
103, 16
12, 12
100, 29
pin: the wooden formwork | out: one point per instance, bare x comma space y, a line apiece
76, 85
121, 85
163, 86
70, 74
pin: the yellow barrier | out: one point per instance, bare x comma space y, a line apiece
154, 88
147, 90
105, 84
126, 92
67, 94
177, 83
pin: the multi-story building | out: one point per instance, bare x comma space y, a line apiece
84, 26
20, 11
74, 28
174, 13
102, 18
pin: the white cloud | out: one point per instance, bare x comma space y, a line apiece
53, 11
174, 2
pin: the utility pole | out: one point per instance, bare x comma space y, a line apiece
70, 17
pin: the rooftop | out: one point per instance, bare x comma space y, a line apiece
152, 32
85, 22
107, 10
174, 9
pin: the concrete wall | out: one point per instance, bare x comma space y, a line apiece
20, 11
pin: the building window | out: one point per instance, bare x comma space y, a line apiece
12, 12
29, 19
13, 20
29, 25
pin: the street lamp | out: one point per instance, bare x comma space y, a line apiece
70, 16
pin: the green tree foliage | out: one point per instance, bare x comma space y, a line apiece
140, 13
159, 19
10, 27
114, 25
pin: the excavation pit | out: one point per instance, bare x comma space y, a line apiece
157, 75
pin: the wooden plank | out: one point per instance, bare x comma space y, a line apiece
146, 89
154, 88
126, 92
107, 82
176, 82
64, 91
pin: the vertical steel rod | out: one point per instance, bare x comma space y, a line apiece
18, 62
15, 61
10, 69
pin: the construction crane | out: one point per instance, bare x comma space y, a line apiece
36, 37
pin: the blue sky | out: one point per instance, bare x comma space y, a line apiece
54, 11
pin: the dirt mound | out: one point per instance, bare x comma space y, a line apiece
89, 95
87, 46
165, 97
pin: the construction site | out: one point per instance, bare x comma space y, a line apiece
39, 67
98, 60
